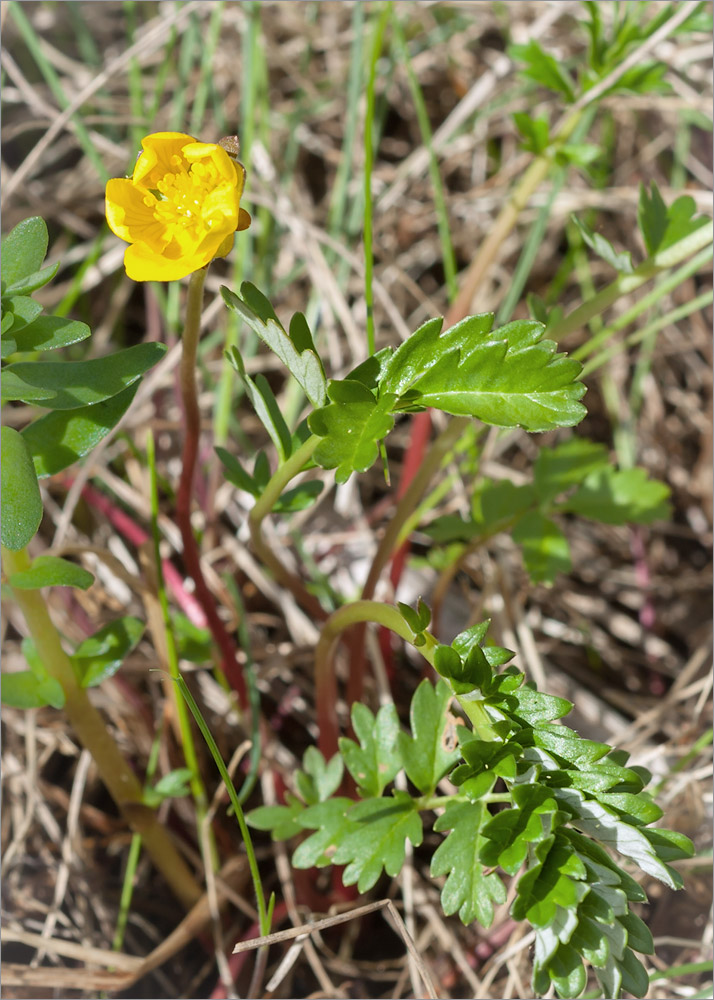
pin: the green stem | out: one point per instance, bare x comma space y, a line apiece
386, 615
192, 417
624, 284
92, 732
433, 461
277, 483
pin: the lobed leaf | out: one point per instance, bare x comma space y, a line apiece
614, 496
509, 377
295, 349
373, 762
425, 754
318, 778
350, 426
468, 889
622, 261
377, 838
281, 821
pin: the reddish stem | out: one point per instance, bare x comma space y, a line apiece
191, 556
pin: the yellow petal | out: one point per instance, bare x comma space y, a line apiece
155, 161
126, 210
142, 264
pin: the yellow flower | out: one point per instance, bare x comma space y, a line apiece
180, 208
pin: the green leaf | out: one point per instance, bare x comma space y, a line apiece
470, 637
501, 501
509, 833
638, 809
580, 154
23, 250
351, 425
569, 463
49, 333
425, 756
235, 473
101, 655
427, 347
58, 439
192, 642
622, 262
265, 405
535, 131
21, 501
377, 838
299, 497
33, 281
296, 350
509, 377
282, 821
545, 548
375, 761
622, 496
652, 218
604, 825
468, 889
639, 936
173, 785
318, 779
417, 619
554, 880
566, 743
24, 689
22, 309
544, 68
75, 384
634, 975
14, 387
567, 972
662, 227
535, 707
329, 820
51, 571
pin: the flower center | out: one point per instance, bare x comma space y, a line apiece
182, 196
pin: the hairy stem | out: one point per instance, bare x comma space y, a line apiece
121, 782
192, 560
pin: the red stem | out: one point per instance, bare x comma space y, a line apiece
191, 556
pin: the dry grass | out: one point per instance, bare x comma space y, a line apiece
627, 635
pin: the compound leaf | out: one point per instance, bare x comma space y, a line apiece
468, 889
425, 755
295, 349
377, 838
281, 821
375, 761
614, 496
350, 426
544, 546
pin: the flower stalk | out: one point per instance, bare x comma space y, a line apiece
192, 560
